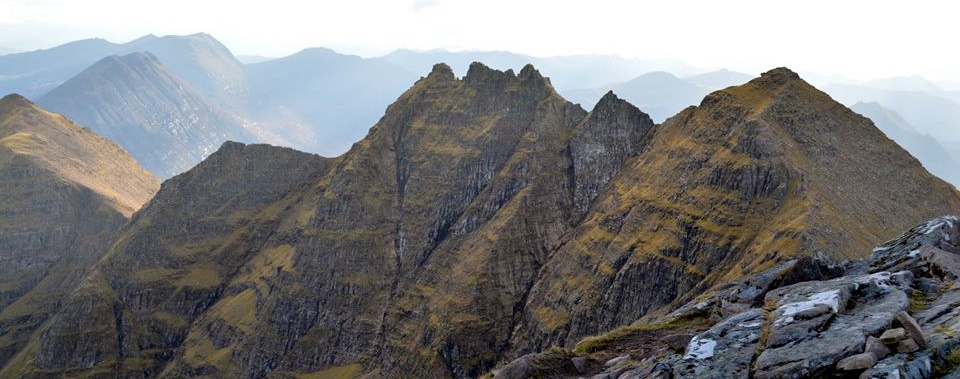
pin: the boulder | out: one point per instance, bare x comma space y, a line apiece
912, 328
860, 361
875, 346
907, 346
892, 336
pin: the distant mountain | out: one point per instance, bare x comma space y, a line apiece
485, 217
719, 79
199, 58
659, 93
320, 100
933, 115
34, 73
251, 59
65, 193
933, 156
9, 50
565, 72
162, 120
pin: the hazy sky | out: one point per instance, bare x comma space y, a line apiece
861, 39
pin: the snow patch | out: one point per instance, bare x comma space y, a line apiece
881, 248
914, 253
881, 278
828, 298
700, 348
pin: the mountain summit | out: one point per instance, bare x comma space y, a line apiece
482, 218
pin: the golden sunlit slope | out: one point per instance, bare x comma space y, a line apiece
65, 192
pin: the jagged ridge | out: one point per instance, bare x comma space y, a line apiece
483, 217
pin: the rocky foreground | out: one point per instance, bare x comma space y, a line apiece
892, 315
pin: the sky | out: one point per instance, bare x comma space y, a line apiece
859, 39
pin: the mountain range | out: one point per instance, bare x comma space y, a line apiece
321, 101
482, 218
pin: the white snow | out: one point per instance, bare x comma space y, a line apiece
750, 324
881, 248
882, 278
700, 348
828, 298
931, 229
914, 253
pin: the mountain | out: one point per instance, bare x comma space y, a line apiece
163, 121
9, 50
34, 73
660, 94
890, 315
320, 100
755, 175
719, 79
199, 59
933, 156
565, 72
482, 218
933, 115
954, 149
251, 59
66, 193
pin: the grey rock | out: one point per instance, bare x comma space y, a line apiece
907, 346
580, 363
912, 328
892, 336
807, 348
875, 346
811, 313
857, 362
519, 368
725, 350
616, 361
678, 342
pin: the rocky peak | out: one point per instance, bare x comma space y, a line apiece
14, 100
442, 72
776, 77
614, 131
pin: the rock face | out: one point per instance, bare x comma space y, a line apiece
66, 192
166, 123
484, 218
770, 341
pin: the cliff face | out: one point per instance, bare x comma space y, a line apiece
66, 192
161, 119
757, 174
483, 217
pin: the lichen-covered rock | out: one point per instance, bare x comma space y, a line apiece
724, 351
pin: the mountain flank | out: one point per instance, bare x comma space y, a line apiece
66, 192
483, 217
165, 122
